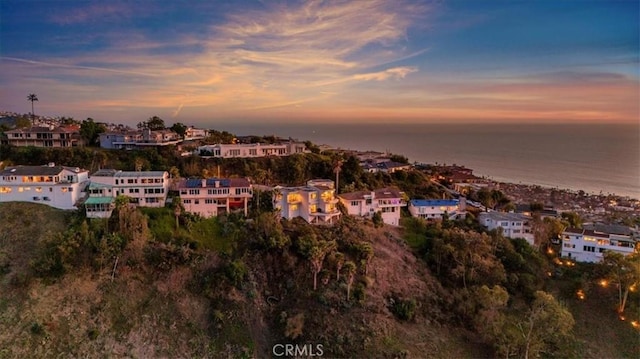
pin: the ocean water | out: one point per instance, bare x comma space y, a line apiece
596, 158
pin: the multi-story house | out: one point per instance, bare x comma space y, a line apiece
513, 225
247, 150
213, 196
315, 202
144, 189
61, 136
131, 139
387, 201
586, 245
56, 186
437, 209
193, 133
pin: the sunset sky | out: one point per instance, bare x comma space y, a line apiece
200, 62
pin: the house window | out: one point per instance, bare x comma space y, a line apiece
354, 203
208, 201
186, 201
589, 249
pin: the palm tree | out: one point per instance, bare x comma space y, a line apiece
32, 97
337, 168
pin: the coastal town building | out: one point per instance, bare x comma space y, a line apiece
144, 189
438, 209
387, 201
513, 225
131, 139
588, 245
45, 136
211, 197
56, 186
248, 150
315, 202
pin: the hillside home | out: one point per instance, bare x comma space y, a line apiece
144, 189
131, 139
61, 136
56, 186
586, 245
249, 150
513, 225
437, 209
315, 202
211, 197
193, 133
386, 201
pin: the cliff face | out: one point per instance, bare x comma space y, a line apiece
65, 292
171, 301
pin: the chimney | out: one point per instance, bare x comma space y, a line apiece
463, 203
204, 182
217, 184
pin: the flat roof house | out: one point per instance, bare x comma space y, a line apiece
514, 225
387, 201
437, 209
144, 188
587, 245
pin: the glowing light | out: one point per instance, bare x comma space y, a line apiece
622, 318
549, 274
635, 324
580, 294
633, 288
550, 251
604, 283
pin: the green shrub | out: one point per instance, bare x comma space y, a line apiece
404, 309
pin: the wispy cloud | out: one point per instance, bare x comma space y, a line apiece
92, 12
79, 67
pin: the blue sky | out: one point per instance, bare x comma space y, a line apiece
330, 61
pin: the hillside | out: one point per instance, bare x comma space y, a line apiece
181, 300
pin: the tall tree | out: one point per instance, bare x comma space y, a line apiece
625, 272
154, 123
337, 168
350, 268
179, 128
546, 322
32, 97
90, 131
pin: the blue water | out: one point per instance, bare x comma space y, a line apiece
591, 157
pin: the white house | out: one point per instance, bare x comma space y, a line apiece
247, 150
193, 133
213, 196
437, 209
586, 245
144, 188
315, 202
514, 225
131, 139
387, 201
56, 186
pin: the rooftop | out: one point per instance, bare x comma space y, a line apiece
119, 173
379, 193
504, 216
434, 202
46, 170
